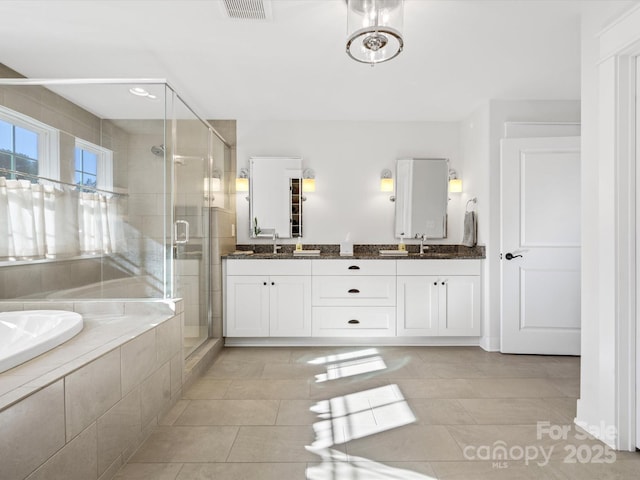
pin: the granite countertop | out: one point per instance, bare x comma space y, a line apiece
265, 251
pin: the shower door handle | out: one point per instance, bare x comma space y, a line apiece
186, 231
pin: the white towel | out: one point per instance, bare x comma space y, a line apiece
470, 235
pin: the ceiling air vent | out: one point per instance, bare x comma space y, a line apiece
248, 9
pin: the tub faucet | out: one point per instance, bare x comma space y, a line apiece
275, 246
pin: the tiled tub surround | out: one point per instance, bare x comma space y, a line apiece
81, 410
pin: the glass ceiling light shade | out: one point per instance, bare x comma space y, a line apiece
374, 30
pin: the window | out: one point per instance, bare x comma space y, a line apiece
18, 149
93, 166
86, 168
28, 146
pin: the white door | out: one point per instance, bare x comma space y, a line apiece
540, 245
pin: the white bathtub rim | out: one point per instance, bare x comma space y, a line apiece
47, 342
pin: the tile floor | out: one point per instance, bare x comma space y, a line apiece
408, 413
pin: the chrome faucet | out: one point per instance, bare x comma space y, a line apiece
423, 238
275, 246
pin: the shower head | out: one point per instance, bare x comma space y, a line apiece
158, 150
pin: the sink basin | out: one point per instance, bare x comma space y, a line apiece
394, 253
306, 253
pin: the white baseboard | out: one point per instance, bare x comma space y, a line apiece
350, 341
490, 344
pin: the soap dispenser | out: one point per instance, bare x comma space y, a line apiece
401, 246
299, 245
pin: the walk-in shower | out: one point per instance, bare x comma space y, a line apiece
113, 185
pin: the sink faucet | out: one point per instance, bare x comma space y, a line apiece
275, 246
423, 238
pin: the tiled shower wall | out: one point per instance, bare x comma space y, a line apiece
223, 225
40, 279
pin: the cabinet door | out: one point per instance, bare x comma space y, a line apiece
459, 305
247, 306
290, 306
417, 308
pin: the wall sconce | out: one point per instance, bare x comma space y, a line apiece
242, 180
213, 183
308, 180
455, 183
386, 181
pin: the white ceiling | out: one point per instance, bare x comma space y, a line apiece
458, 53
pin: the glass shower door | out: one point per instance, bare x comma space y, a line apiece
191, 237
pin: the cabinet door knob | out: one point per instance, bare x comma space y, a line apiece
354, 267
354, 290
435, 283
264, 283
354, 321
443, 283
273, 283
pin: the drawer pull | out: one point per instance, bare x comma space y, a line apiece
354, 322
354, 290
354, 267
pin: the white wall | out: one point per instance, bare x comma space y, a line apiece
347, 158
480, 138
475, 148
598, 380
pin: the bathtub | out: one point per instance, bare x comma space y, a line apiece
29, 333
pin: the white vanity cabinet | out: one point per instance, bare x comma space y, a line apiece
354, 298
438, 298
321, 299
268, 298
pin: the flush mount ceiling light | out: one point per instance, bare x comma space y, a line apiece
373, 28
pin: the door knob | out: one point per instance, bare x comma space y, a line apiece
511, 256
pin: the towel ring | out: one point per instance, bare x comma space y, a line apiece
471, 201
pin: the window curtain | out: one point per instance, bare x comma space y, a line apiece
46, 221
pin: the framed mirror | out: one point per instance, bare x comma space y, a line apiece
275, 198
421, 197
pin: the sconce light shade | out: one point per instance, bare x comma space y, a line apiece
386, 181
308, 180
455, 185
242, 181
374, 30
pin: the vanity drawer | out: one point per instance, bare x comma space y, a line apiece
354, 267
346, 291
354, 321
